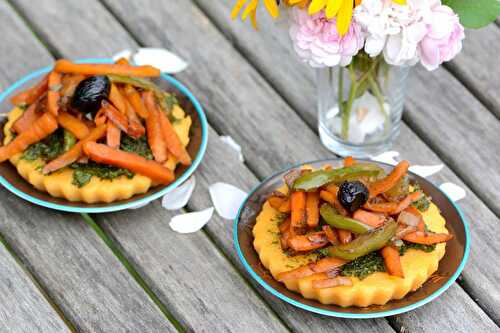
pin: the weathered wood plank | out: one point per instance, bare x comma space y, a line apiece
191, 15
73, 265
475, 64
478, 283
23, 307
202, 294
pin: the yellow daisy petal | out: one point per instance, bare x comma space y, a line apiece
253, 19
272, 8
344, 17
332, 8
316, 6
237, 8
250, 8
400, 2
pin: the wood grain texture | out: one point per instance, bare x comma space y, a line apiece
70, 261
23, 307
478, 282
189, 274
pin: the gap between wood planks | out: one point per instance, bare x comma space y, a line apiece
37, 283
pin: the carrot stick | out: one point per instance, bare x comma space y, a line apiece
327, 196
276, 202
349, 161
174, 144
392, 261
156, 139
406, 202
75, 152
136, 101
372, 219
135, 128
103, 154
383, 207
312, 209
41, 128
420, 237
345, 236
312, 241
285, 206
66, 66
117, 99
331, 234
284, 228
27, 119
332, 282
73, 124
298, 213
118, 118
69, 84
388, 182
113, 135
53, 94
122, 61
30, 95
321, 266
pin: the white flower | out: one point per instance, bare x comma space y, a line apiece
394, 29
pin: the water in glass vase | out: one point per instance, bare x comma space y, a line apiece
360, 106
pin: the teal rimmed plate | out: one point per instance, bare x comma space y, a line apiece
13, 182
450, 267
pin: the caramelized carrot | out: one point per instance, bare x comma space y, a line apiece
73, 124
331, 282
416, 212
331, 234
69, 84
285, 206
118, 118
100, 118
373, 219
75, 152
309, 242
113, 135
345, 236
30, 95
298, 213
284, 228
333, 189
420, 237
276, 202
321, 266
41, 128
392, 261
117, 99
382, 207
103, 154
136, 101
156, 139
312, 209
66, 66
135, 128
327, 196
27, 119
53, 94
174, 144
349, 161
388, 182
406, 202
122, 61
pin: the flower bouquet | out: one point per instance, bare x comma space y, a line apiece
362, 51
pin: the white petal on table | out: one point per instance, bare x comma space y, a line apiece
191, 222
426, 170
388, 157
227, 199
122, 54
453, 191
179, 197
162, 59
234, 145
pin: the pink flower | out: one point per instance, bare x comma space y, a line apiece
317, 42
443, 40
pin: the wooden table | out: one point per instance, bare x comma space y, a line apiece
128, 272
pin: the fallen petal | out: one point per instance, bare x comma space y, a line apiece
122, 54
191, 222
388, 157
162, 59
234, 145
179, 197
426, 170
227, 199
453, 191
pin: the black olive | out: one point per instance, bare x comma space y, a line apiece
90, 93
353, 195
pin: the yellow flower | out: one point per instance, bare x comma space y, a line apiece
271, 7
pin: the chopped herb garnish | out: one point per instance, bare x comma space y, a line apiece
83, 172
47, 149
364, 266
171, 100
407, 245
138, 146
424, 202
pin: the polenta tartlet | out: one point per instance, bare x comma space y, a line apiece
351, 236
96, 132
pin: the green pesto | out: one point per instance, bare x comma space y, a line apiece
47, 149
138, 146
83, 172
407, 245
364, 266
424, 202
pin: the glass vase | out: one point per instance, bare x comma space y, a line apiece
360, 106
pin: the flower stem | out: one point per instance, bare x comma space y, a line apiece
380, 100
346, 114
341, 89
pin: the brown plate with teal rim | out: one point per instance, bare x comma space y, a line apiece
450, 267
13, 182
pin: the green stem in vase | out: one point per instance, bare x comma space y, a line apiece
341, 89
346, 114
380, 100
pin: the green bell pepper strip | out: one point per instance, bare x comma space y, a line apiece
365, 243
315, 179
330, 216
